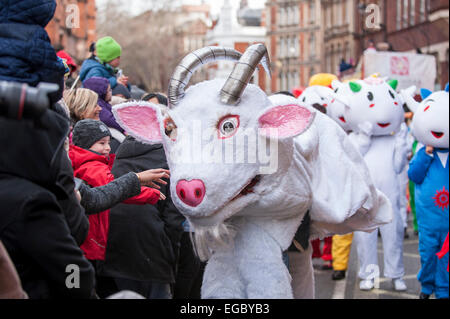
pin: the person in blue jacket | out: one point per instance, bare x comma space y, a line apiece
105, 63
429, 171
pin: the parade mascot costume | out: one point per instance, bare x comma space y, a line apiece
375, 114
429, 171
319, 92
245, 169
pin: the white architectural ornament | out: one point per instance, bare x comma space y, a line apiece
228, 32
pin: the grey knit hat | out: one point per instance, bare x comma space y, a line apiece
87, 132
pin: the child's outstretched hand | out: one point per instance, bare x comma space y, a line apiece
152, 176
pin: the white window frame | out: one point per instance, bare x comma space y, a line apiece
412, 14
405, 13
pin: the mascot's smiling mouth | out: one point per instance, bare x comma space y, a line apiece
342, 119
247, 189
384, 124
437, 134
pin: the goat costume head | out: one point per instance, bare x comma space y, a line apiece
203, 123
430, 122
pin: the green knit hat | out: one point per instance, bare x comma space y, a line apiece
108, 49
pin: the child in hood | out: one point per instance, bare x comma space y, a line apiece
102, 87
92, 163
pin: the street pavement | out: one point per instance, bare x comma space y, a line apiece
348, 288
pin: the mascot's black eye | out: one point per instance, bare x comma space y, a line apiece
370, 96
392, 95
304, 99
335, 91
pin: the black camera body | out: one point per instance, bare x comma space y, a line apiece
18, 100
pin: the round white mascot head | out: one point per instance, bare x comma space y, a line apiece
375, 101
430, 122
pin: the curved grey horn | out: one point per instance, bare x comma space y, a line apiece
243, 71
190, 63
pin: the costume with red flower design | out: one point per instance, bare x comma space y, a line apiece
431, 175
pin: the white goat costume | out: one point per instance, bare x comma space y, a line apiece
375, 114
285, 159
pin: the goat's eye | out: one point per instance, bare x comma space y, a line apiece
170, 129
370, 96
228, 126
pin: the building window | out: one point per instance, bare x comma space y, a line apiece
423, 7
283, 20
339, 15
312, 46
405, 13
399, 15
412, 16
296, 15
312, 11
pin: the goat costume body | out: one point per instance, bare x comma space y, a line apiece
246, 204
375, 115
430, 173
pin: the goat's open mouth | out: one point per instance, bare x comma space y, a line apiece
342, 119
437, 134
384, 124
247, 189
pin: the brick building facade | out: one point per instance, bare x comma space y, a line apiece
73, 27
339, 40
411, 26
294, 39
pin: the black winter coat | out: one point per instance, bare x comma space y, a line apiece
33, 226
143, 241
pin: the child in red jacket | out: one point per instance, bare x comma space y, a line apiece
92, 163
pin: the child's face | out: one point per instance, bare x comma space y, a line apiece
102, 146
108, 94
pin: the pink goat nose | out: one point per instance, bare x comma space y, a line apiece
191, 192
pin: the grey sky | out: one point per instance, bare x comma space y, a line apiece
136, 5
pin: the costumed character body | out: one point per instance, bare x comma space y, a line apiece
245, 169
429, 171
374, 112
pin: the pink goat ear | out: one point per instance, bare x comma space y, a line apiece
285, 121
140, 120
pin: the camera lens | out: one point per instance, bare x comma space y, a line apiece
18, 100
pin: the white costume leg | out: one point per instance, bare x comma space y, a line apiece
366, 246
260, 263
392, 236
221, 279
302, 272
